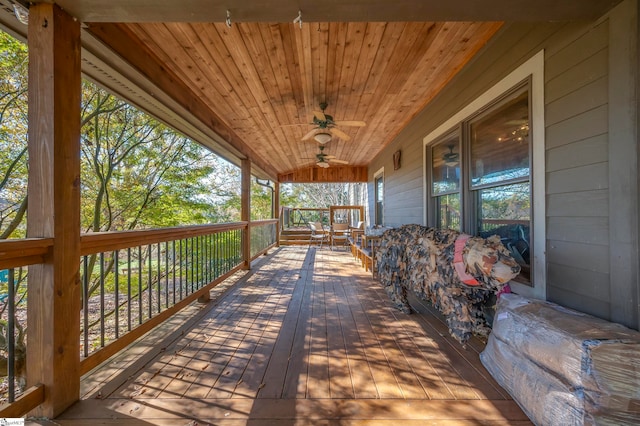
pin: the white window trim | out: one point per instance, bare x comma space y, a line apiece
376, 175
534, 68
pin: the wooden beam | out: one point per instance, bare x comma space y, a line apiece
335, 10
53, 343
344, 174
245, 213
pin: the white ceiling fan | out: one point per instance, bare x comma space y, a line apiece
326, 127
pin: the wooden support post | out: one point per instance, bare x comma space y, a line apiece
276, 209
53, 345
245, 212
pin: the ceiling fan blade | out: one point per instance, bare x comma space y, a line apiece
329, 157
339, 161
320, 115
339, 133
309, 135
352, 123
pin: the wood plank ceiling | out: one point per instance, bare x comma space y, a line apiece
257, 83
264, 80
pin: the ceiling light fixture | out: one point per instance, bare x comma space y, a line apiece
323, 164
322, 137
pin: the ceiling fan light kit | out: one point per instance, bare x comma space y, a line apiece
322, 137
323, 160
325, 127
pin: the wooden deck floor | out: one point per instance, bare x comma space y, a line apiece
307, 337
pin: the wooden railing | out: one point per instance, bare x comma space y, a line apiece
132, 281
15, 255
294, 216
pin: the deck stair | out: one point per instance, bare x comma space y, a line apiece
295, 236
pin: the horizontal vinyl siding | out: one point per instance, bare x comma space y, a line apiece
577, 154
403, 200
573, 204
590, 260
576, 97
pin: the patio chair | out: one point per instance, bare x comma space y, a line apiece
339, 234
355, 239
359, 225
317, 233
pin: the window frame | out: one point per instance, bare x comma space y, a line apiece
379, 175
432, 215
530, 74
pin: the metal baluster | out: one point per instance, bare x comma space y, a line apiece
85, 305
129, 289
225, 249
158, 278
216, 255
180, 249
139, 284
173, 244
193, 264
187, 266
101, 300
166, 267
195, 283
210, 258
117, 292
150, 282
11, 338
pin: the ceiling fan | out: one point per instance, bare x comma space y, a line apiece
451, 158
323, 160
326, 127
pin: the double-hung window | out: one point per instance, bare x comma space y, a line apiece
479, 177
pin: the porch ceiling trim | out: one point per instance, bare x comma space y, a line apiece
334, 10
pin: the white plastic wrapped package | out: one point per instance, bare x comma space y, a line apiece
562, 366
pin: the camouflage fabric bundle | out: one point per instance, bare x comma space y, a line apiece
420, 259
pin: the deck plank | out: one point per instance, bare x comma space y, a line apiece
356, 343
318, 349
274, 378
309, 410
306, 336
408, 380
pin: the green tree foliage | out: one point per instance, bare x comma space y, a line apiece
136, 171
322, 195
13, 137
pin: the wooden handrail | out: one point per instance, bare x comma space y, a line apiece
29, 400
108, 241
29, 251
264, 222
